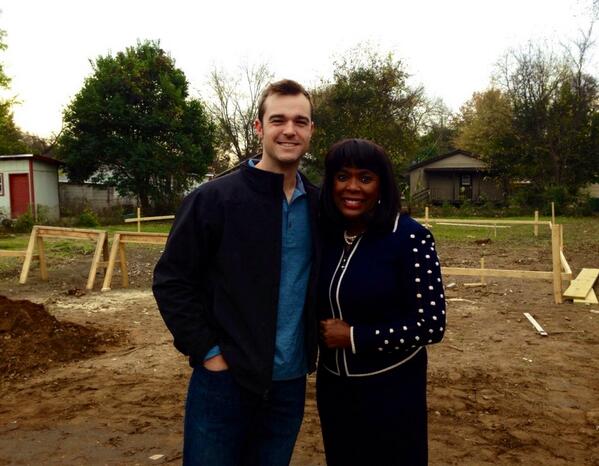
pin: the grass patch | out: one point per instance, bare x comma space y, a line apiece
146, 227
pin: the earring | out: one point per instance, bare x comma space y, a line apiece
379, 202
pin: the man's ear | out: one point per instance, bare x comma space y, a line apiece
258, 128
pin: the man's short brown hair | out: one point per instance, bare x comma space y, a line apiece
283, 87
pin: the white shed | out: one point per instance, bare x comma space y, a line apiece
29, 181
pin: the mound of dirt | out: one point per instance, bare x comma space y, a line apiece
32, 340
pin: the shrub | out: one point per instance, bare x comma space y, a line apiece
87, 218
24, 223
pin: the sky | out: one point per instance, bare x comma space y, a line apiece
449, 47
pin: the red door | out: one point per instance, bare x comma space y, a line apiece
19, 194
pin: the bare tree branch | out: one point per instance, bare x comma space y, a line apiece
235, 107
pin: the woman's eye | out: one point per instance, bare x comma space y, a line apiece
341, 177
365, 179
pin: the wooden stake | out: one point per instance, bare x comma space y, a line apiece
138, 219
535, 324
111, 261
105, 256
536, 227
553, 213
557, 265
42, 258
483, 280
28, 256
95, 261
124, 271
426, 224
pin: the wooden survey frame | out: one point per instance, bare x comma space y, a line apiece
39, 232
140, 219
556, 275
120, 239
427, 221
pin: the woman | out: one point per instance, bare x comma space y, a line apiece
380, 302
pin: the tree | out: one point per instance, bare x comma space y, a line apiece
368, 98
485, 127
235, 107
555, 107
134, 125
10, 136
437, 131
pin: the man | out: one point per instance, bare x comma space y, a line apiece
235, 287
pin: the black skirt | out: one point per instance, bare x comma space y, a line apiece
375, 420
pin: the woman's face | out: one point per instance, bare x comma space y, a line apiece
355, 192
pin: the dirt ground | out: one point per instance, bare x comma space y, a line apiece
95, 380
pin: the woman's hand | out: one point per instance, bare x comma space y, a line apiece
335, 333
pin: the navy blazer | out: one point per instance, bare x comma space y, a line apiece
388, 288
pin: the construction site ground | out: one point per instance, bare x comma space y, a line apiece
92, 378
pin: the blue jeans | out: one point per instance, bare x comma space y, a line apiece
227, 425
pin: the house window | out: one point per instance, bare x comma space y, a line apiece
466, 180
1, 184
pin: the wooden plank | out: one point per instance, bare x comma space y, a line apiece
483, 280
69, 234
535, 324
62, 229
143, 238
487, 222
124, 270
28, 256
42, 258
564, 262
473, 225
536, 227
556, 233
580, 286
9, 253
111, 262
591, 298
501, 273
149, 219
133, 234
93, 270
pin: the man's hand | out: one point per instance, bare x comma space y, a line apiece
216, 363
335, 333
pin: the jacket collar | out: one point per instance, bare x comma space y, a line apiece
261, 180
265, 181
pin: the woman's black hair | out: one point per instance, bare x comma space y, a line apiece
359, 153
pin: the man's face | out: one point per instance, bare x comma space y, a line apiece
285, 130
